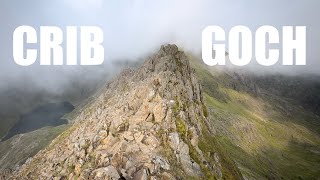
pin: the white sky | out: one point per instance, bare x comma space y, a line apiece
133, 28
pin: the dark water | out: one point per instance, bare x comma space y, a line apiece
45, 115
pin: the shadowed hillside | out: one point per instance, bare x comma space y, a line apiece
46, 115
269, 125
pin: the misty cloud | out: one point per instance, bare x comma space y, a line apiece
134, 28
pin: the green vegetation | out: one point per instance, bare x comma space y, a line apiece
17, 149
207, 144
181, 127
266, 135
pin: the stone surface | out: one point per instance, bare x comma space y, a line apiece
109, 172
130, 129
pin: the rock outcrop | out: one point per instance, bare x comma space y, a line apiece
146, 124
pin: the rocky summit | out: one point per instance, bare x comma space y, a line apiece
144, 124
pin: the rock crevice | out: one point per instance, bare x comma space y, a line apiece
145, 124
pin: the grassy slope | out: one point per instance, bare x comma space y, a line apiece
18, 148
267, 136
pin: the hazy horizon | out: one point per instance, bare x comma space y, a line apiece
135, 28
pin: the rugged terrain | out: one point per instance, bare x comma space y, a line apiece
148, 123
34, 110
176, 118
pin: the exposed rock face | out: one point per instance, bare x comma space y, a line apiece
5, 174
143, 125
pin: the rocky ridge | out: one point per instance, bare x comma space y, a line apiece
146, 124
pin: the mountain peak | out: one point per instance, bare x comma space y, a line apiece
169, 49
156, 122
145, 124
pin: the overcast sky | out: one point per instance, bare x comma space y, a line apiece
133, 28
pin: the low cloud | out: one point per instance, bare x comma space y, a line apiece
134, 28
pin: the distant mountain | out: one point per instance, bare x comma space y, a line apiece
46, 115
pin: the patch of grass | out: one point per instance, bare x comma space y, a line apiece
208, 145
269, 154
71, 168
19, 148
181, 128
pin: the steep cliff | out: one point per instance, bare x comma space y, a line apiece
151, 123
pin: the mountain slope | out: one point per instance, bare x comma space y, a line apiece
160, 122
33, 108
16, 150
150, 123
263, 123
47, 115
